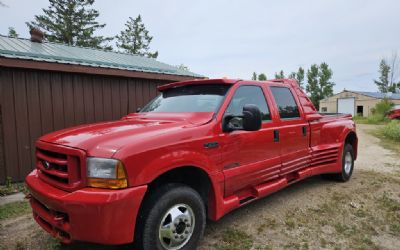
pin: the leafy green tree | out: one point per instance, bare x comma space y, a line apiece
280, 75
319, 84
262, 77
12, 32
135, 39
383, 81
254, 77
312, 85
300, 76
72, 22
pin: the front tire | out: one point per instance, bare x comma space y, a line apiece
173, 217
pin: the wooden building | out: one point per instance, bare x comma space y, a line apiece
47, 86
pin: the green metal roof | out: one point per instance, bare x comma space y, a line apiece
60, 53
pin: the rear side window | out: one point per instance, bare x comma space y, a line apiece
248, 95
286, 104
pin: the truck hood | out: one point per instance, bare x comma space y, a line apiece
104, 139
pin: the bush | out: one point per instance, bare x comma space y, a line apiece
392, 130
383, 107
376, 119
380, 111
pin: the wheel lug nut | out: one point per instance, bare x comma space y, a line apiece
186, 232
181, 236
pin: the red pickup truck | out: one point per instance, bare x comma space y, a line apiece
394, 114
199, 150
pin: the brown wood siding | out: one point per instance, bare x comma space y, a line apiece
36, 102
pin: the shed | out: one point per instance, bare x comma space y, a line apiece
48, 86
356, 102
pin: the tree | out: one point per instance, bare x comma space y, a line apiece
135, 39
72, 22
299, 76
262, 77
383, 82
394, 72
279, 75
319, 84
254, 77
12, 32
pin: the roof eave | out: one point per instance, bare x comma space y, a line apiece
74, 68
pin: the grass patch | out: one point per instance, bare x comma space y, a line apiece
233, 239
392, 130
267, 223
15, 209
12, 188
385, 141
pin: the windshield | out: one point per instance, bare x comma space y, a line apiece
189, 98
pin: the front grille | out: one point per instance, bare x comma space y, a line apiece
60, 166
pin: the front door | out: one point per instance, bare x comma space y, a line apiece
251, 157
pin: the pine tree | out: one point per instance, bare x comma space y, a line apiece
262, 77
12, 32
135, 39
254, 77
319, 84
72, 22
280, 75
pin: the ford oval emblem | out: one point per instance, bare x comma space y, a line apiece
46, 164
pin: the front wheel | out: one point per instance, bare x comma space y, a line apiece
174, 218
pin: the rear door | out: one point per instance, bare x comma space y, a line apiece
250, 157
293, 132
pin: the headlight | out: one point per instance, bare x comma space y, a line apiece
106, 173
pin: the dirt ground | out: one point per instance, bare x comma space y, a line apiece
363, 213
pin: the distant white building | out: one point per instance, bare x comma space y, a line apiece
356, 102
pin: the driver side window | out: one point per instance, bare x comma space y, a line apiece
248, 95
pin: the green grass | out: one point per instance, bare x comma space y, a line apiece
12, 188
392, 130
386, 142
15, 209
233, 239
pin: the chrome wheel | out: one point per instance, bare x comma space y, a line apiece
348, 163
176, 227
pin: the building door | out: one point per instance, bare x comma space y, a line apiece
346, 105
360, 110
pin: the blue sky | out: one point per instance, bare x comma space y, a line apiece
234, 38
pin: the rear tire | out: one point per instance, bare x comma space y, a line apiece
347, 165
173, 217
